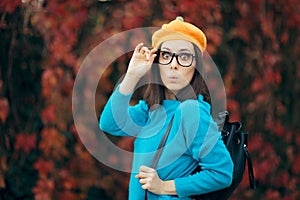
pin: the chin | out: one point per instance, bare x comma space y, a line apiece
174, 88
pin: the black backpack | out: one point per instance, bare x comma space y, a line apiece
236, 141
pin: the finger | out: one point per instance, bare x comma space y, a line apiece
142, 175
147, 55
138, 47
152, 58
144, 48
145, 186
146, 52
143, 181
138, 176
152, 55
153, 51
146, 169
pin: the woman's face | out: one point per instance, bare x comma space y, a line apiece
173, 75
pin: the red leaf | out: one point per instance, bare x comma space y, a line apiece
53, 143
214, 36
9, 5
257, 85
241, 31
4, 109
267, 27
280, 179
256, 143
25, 142
298, 71
296, 164
272, 195
284, 37
126, 143
69, 59
272, 77
49, 81
43, 167
234, 108
298, 139
270, 59
48, 115
70, 195
279, 129
43, 190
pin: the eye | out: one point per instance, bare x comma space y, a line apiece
166, 55
185, 56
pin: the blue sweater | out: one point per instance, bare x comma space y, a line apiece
193, 140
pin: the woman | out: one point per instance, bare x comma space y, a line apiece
176, 91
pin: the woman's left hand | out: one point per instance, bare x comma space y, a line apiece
150, 180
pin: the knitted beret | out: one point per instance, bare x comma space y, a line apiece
179, 30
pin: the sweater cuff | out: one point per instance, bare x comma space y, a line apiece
122, 97
180, 185
119, 104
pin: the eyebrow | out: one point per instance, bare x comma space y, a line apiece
166, 48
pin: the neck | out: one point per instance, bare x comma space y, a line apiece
170, 95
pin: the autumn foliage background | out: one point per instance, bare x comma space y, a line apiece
255, 44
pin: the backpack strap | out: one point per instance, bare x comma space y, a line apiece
250, 168
161, 145
160, 149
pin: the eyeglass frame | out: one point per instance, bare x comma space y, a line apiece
176, 56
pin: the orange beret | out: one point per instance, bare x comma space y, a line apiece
179, 30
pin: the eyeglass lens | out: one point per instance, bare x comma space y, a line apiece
184, 59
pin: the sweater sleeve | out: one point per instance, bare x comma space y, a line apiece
119, 118
205, 145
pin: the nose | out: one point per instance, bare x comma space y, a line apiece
174, 64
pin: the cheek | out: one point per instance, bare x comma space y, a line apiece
188, 74
163, 73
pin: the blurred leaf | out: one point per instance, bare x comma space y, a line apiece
4, 109
53, 144
43, 167
9, 5
25, 142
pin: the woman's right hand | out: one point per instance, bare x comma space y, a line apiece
141, 61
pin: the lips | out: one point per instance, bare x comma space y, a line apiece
173, 77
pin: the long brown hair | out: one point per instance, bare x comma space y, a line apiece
155, 90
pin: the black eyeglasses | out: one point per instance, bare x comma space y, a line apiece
184, 59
